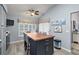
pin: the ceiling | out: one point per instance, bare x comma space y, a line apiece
20, 9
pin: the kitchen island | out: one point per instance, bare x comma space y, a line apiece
40, 44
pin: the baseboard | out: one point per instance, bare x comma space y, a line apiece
66, 49
16, 41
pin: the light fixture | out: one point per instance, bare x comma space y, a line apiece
32, 12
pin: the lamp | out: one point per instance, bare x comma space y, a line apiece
32, 14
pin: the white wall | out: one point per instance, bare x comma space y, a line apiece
13, 29
3, 29
62, 12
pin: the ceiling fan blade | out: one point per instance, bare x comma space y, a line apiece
36, 12
32, 12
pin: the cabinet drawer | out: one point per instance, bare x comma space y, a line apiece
49, 47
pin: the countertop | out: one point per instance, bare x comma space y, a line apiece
38, 36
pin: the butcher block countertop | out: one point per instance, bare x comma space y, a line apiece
38, 36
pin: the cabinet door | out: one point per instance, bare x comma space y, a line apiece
49, 50
49, 47
40, 48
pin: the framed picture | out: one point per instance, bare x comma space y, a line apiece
58, 29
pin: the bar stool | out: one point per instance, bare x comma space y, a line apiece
26, 44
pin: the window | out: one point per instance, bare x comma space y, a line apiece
44, 27
24, 27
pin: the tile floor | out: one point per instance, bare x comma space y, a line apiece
18, 49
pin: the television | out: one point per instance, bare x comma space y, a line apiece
9, 22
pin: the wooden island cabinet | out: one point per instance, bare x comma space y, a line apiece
40, 44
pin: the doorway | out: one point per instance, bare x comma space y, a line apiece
75, 32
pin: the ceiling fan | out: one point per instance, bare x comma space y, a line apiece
32, 12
